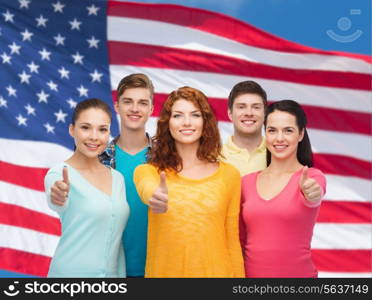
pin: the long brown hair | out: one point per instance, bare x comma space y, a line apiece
164, 154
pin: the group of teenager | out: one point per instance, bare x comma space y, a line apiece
181, 204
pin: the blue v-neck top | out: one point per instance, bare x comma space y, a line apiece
92, 226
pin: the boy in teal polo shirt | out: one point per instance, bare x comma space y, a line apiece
128, 150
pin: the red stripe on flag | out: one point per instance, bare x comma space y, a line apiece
142, 55
345, 212
215, 23
32, 178
329, 260
15, 215
24, 262
343, 165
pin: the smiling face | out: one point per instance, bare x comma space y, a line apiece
134, 107
247, 114
186, 122
91, 132
282, 135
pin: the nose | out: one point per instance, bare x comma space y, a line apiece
94, 134
248, 111
134, 107
280, 136
187, 120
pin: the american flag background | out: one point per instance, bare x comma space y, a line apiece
54, 54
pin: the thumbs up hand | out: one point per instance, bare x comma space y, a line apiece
159, 200
60, 189
309, 186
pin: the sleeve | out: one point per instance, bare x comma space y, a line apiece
232, 223
242, 228
146, 179
321, 180
51, 177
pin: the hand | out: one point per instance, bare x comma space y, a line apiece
159, 200
60, 189
309, 186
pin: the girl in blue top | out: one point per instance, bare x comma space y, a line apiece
90, 200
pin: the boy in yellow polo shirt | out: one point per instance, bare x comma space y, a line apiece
246, 149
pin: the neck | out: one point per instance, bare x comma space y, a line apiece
279, 166
80, 161
188, 154
132, 141
249, 142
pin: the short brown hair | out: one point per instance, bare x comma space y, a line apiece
90, 103
136, 80
247, 87
164, 154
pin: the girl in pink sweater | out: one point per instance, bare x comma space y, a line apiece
280, 204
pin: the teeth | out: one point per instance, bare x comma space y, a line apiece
92, 146
249, 122
280, 147
187, 131
134, 117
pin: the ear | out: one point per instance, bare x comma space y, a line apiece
152, 106
71, 130
229, 113
302, 133
116, 106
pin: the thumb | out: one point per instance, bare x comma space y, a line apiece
304, 175
65, 176
163, 185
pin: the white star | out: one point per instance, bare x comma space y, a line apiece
14, 48
11, 91
3, 102
30, 109
92, 10
60, 116
24, 77
41, 21
75, 24
64, 73
78, 59
43, 97
52, 86
72, 103
93, 42
26, 35
8, 16
23, 3
59, 39
45, 54
33, 67
49, 128
58, 7
6, 58
82, 91
96, 76
21, 120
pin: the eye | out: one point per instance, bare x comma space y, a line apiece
144, 103
176, 116
196, 115
103, 129
84, 127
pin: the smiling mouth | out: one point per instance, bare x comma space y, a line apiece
248, 122
187, 131
92, 146
280, 147
134, 117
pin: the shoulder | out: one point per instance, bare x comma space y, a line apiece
229, 169
250, 176
56, 169
145, 169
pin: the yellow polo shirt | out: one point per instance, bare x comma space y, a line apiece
241, 159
